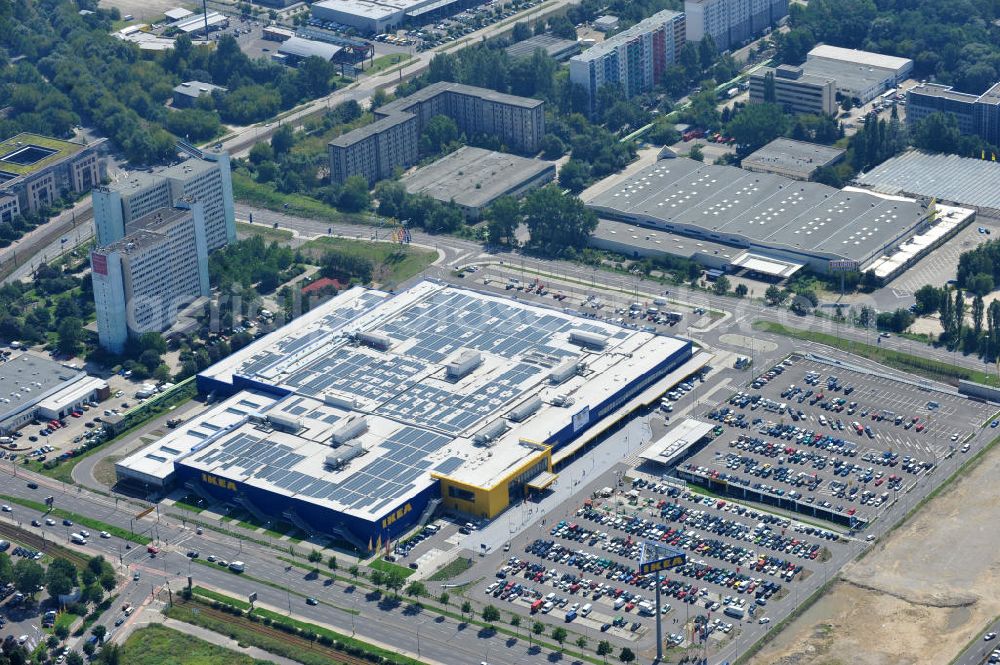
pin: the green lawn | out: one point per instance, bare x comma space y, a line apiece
156, 644
387, 567
266, 232
386, 61
245, 189
926, 367
222, 598
451, 570
394, 263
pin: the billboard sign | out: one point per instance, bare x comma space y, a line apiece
581, 419
99, 263
655, 556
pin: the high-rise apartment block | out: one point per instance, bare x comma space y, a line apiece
376, 150
142, 280
635, 59
794, 90
730, 23
976, 114
205, 178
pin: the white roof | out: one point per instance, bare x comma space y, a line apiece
677, 441
156, 461
72, 393
860, 57
304, 48
177, 13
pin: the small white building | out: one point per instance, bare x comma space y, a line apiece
606, 23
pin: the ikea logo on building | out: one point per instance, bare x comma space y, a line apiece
398, 515
218, 482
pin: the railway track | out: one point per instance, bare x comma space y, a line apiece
292, 640
36, 542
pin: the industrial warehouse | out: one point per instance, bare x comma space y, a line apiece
782, 225
366, 413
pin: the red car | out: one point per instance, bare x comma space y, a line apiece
153, 549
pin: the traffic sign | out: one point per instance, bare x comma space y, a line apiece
655, 556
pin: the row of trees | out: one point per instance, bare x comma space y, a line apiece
70, 70
558, 224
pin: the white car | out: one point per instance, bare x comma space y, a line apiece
764, 620
989, 636
7, 508
105, 534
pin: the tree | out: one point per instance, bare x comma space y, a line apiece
99, 631
491, 614
354, 195
978, 310
605, 649
354, 571
466, 608
74, 658
315, 556
89, 648
377, 577
556, 221
560, 26
416, 588
626, 655
283, 139
331, 563
394, 581
696, 153
515, 621
574, 175
28, 576
503, 218
581, 642
537, 628
928, 299
757, 125
559, 634
721, 286
60, 578
938, 132
6, 569
440, 132
70, 332
444, 598
552, 147
774, 295
741, 290
520, 32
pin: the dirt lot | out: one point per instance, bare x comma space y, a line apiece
917, 598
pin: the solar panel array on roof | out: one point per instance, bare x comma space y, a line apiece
352, 371
403, 459
452, 412
447, 321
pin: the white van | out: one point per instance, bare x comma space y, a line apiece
237, 566
78, 538
619, 603
585, 610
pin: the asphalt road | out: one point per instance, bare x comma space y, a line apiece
979, 650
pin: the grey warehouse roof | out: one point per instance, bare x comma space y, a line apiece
473, 177
963, 180
847, 74
791, 156
727, 204
551, 44
196, 88
28, 378
304, 48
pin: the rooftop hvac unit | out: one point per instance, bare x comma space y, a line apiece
375, 340
352, 427
564, 371
333, 399
285, 422
525, 409
344, 455
466, 361
490, 432
589, 339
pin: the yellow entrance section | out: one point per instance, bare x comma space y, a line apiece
488, 500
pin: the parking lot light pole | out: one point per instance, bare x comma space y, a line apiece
659, 627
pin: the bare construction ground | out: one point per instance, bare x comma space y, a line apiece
919, 597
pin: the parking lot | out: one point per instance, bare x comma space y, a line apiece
583, 569
829, 442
